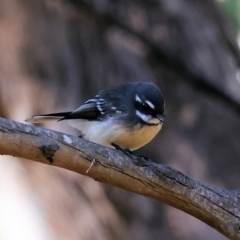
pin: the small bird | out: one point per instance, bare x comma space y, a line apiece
128, 115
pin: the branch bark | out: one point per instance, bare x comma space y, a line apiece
216, 207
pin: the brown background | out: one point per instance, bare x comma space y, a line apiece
55, 54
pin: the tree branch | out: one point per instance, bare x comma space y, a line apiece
218, 208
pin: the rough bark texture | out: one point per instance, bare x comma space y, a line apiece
214, 206
56, 54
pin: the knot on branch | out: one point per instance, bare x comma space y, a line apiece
49, 150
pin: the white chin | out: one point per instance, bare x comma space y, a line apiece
148, 118
154, 121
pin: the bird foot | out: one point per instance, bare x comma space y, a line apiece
81, 135
126, 150
141, 161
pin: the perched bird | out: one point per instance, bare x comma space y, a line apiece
128, 115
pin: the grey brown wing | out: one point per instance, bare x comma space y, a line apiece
86, 111
93, 109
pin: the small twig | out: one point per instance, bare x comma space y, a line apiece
93, 161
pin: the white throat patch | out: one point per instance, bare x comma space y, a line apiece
148, 118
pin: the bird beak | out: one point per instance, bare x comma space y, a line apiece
161, 117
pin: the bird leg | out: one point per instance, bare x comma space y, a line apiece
141, 161
126, 150
81, 135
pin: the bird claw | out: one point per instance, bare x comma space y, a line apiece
145, 158
141, 161
81, 135
126, 150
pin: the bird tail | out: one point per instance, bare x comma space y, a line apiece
47, 117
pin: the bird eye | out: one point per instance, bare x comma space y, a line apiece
145, 105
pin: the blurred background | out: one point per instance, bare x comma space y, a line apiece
55, 54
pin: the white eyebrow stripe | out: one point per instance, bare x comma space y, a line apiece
150, 104
137, 98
